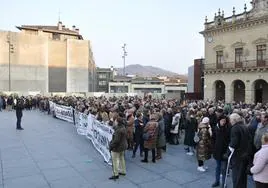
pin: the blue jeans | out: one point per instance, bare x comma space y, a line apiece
220, 169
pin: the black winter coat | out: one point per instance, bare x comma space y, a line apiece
19, 108
138, 131
241, 141
222, 140
190, 129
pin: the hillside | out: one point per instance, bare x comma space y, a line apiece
147, 71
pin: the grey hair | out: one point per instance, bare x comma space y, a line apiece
235, 118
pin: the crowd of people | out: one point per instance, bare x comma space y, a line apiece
210, 129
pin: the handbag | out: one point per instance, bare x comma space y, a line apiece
146, 136
196, 138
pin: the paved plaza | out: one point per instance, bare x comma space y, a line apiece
50, 154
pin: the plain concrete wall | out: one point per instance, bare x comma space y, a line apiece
57, 61
77, 65
28, 62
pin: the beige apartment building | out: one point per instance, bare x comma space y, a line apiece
236, 61
45, 59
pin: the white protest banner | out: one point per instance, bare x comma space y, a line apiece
100, 135
64, 112
81, 123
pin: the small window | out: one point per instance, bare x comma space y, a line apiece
261, 52
55, 36
219, 22
102, 83
219, 57
238, 55
102, 76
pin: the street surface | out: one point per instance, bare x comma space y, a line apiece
50, 154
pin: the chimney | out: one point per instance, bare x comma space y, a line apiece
59, 25
77, 30
73, 27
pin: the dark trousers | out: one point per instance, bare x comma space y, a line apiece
159, 152
167, 132
19, 122
239, 174
174, 139
220, 169
146, 151
200, 163
138, 144
261, 185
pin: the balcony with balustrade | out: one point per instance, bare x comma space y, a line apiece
248, 65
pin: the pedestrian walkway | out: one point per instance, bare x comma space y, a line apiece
50, 154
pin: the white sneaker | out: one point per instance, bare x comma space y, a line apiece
201, 169
190, 153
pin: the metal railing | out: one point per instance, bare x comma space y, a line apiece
237, 65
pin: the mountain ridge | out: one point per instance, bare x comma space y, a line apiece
147, 71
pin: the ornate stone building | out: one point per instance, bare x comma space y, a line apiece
236, 61
45, 59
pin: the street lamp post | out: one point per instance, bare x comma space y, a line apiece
124, 58
10, 50
124, 62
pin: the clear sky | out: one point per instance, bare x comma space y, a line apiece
162, 33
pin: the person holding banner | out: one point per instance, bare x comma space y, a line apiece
117, 147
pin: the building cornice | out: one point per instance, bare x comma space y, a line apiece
239, 24
50, 31
238, 44
219, 47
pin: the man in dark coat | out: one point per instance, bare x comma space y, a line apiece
222, 139
190, 129
117, 146
138, 134
19, 108
9, 103
239, 145
168, 123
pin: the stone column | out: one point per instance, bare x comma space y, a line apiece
229, 92
249, 93
209, 92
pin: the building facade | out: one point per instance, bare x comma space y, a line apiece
103, 77
236, 64
170, 87
195, 88
45, 59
